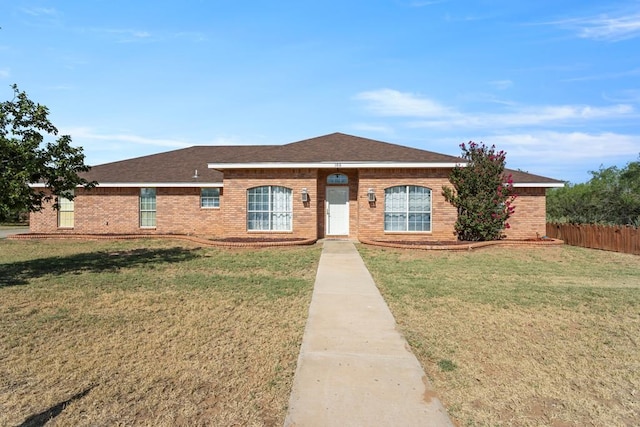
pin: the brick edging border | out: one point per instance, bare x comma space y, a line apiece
464, 247
194, 239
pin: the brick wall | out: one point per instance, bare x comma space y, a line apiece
371, 216
45, 221
178, 210
116, 211
238, 181
529, 217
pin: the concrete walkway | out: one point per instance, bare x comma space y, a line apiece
354, 367
8, 231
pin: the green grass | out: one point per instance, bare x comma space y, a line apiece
567, 277
155, 332
521, 336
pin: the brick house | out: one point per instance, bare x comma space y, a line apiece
332, 185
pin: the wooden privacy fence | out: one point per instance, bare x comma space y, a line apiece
607, 237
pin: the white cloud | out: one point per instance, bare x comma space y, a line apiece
4, 73
128, 35
604, 27
567, 156
606, 76
40, 11
389, 102
376, 128
501, 84
431, 114
80, 133
125, 35
43, 16
546, 146
140, 34
624, 96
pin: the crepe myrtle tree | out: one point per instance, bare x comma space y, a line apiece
26, 158
482, 193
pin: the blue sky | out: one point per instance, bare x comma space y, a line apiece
556, 84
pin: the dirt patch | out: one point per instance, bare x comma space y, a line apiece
458, 245
259, 239
426, 242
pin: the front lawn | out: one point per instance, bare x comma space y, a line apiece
521, 336
149, 332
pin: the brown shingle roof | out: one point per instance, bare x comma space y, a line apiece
521, 177
178, 166
339, 147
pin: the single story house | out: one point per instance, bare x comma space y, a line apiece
332, 185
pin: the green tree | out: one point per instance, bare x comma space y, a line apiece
630, 195
25, 158
611, 196
482, 194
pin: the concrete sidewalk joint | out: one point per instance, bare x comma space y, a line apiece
354, 367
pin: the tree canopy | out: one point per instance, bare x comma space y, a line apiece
26, 158
482, 193
611, 196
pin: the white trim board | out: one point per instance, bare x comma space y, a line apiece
147, 184
332, 165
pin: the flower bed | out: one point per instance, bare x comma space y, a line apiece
457, 245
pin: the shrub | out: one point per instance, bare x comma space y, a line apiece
482, 193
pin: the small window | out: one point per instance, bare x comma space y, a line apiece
65, 212
337, 178
269, 208
147, 207
407, 208
210, 198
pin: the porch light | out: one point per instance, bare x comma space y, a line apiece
371, 195
305, 195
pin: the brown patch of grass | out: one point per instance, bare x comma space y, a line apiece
158, 334
535, 336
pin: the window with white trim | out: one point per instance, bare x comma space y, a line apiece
147, 207
209, 197
269, 208
407, 208
337, 178
65, 212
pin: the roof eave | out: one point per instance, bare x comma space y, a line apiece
538, 184
145, 184
334, 165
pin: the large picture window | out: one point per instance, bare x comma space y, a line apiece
147, 207
65, 213
269, 208
407, 208
210, 198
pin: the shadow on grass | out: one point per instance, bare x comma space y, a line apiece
19, 273
39, 420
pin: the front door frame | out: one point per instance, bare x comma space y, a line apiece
345, 218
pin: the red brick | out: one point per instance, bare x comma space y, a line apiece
116, 210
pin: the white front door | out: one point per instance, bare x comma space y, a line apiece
337, 211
